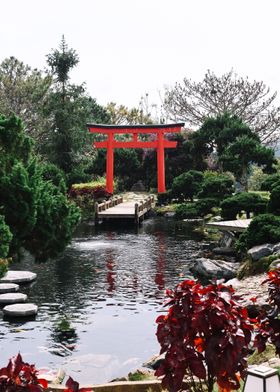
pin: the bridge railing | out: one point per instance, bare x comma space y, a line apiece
99, 207
143, 206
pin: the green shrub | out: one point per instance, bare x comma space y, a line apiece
205, 206
51, 172
216, 187
263, 229
243, 201
187, 185
5, 238
56, 220
270, 181
274, 201
85, 195
3, 267
198, 209
164, 198
186, 211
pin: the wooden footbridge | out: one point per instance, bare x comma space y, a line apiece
118, 208
237, 225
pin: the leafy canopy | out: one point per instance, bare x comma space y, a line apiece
251, 101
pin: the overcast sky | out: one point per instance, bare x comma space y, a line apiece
128, 48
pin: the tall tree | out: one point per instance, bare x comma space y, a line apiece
24, 91
193, 102
69, 143
234, 145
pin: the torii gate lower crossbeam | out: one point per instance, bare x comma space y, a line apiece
159, 144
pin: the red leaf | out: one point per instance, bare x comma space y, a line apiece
198, 368
72, 385
43, 382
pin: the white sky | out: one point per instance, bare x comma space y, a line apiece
128, 48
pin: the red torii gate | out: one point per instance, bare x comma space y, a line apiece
159, 144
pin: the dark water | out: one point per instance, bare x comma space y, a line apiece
98, 303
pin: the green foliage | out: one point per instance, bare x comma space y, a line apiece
270, 181
62, 61
205, 206
242, 152
264, 228
92, 184
52, 173
24, 92
216, 187
87, 194
264, 194
186, 211
274, 201
256, 178
56, 219
3, 267
251, 268
68, 142
178, 160
187, 185
198, 209
164, 198
5, 238
243, 201
32, 196
232, 145
127, 166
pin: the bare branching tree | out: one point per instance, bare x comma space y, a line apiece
253, 102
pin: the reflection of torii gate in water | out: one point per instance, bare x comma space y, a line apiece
160, 143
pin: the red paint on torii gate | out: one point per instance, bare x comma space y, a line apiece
159, 144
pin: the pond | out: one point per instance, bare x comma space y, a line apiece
98, 303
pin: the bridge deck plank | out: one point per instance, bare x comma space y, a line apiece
237, 225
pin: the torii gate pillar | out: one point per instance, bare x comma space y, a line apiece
159, 144
160, 163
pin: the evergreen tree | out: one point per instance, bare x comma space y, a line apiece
36, 210
233, 146
5, 238
69, 143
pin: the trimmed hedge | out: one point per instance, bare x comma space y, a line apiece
244, 201
264, 228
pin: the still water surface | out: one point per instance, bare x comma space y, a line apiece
98, 303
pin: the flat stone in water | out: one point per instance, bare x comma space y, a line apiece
8, 287
12, 298
21, 310
18, 277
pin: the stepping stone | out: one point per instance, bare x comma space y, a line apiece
18, 277
8, 287
12, 298
20, 310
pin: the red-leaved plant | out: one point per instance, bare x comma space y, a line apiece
268, 322
96, 193
19, 376
205, 336
73, 386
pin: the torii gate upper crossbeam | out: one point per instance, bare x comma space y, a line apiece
159, 144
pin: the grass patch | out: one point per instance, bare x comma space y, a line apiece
258, 359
